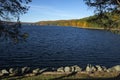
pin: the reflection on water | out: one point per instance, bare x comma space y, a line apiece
60, 46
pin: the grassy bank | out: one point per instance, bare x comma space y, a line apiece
69, 76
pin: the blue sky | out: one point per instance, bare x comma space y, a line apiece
44, 10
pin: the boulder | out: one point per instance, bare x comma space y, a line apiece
76, 68
114, 69
43, 70
61, 69
99, 68
11, 70
88, 68
25, 70
117, 68
36, 71
104, 68
93, 69
72, 69
67, 69
4, 72
14, 71
1, 75
53, 69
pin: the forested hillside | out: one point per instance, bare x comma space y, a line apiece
82, 23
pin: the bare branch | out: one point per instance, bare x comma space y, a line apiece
118, 2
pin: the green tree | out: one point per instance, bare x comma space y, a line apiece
10, 10
105, 12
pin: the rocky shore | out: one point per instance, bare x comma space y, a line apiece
27, 71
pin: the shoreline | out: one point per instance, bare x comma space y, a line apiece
89, 28
96, 71
92, 28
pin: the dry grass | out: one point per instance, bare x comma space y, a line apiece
69, 76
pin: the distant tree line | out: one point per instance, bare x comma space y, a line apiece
87, 22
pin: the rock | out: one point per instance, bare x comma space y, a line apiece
43, 70
104, 68
11, 70
72, 69
93, 69
99, 68
114, 69
4, 72
14, 72
53, 69
110, 70
1, 74
67, 69
76, 68
89, 68
61, 69
25, 70
36, 71
117, 68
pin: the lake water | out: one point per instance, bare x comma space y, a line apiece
49, 46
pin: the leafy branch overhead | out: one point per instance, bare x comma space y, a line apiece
107, 12
11, 10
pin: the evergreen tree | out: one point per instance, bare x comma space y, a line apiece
107, 13
10, 10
